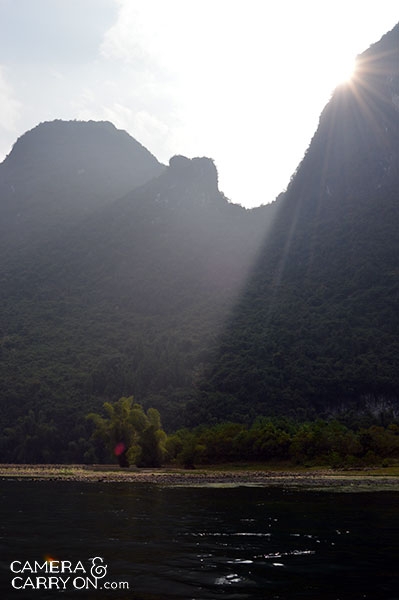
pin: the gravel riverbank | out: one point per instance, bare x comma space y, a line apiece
321, 479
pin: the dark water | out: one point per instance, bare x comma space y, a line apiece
203, 543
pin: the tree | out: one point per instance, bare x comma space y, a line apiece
151, 441
130, 434
33, 439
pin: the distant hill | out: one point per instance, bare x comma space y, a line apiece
60, 171
105, 297
316, 329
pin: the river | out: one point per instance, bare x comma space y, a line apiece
149, 542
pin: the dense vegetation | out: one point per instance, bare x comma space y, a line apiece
130, 434
274, 441
127, 434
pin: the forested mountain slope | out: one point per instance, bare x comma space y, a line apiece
317, 328
119, 296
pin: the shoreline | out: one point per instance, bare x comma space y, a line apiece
311, 479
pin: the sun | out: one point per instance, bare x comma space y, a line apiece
333, 69
342, 70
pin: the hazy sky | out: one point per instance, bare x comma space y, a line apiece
241, 81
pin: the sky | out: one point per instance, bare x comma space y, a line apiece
240, 81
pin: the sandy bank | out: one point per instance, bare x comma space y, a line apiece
322, 479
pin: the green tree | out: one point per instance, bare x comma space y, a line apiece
151, 441
129, 433
185, 448
33, 439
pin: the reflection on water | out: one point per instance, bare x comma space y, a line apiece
204, 543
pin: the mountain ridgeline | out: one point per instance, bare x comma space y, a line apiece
316, 330
121, 276
60, 172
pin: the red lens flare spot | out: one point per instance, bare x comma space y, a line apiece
119, 449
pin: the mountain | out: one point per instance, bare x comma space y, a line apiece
119, 296
316, 330
60, 171
120, 276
